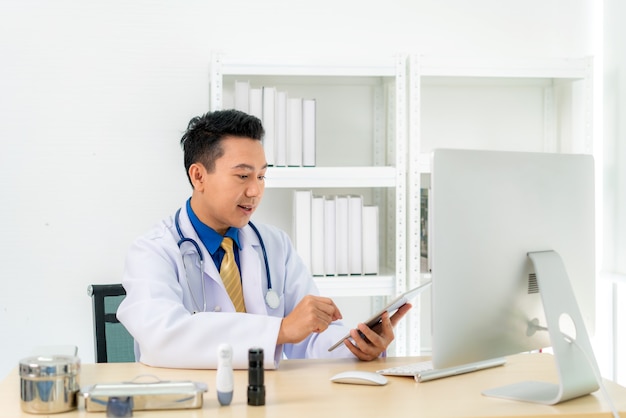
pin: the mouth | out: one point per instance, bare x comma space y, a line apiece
247, 208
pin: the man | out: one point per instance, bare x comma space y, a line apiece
178, 277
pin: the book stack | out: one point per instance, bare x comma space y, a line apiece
336, 235
289, 122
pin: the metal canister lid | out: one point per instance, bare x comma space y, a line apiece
57, 365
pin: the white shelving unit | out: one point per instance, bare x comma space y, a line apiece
561, 88
329, 177
361, 147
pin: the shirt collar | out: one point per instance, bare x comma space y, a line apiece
209, 237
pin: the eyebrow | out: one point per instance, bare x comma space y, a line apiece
248, 167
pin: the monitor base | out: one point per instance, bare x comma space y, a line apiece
573, 353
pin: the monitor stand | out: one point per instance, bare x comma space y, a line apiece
575, 361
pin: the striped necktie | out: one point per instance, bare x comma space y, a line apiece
230, 275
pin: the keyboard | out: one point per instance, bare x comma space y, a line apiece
411, 369
423, 371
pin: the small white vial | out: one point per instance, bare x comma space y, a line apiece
224, 378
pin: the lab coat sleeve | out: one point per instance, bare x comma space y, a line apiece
166, 333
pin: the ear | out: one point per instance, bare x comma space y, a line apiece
197, 174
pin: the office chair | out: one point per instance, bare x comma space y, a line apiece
112, 342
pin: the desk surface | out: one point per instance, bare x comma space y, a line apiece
301, 388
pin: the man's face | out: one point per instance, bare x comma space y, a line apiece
230, 194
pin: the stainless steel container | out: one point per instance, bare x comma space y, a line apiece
153, 394
49, 384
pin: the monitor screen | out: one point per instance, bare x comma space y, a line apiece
487, 211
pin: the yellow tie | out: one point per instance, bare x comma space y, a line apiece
230, 275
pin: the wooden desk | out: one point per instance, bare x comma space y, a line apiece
301, 388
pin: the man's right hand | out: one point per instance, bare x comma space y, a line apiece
312, 314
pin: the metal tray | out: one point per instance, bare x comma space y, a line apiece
146, 395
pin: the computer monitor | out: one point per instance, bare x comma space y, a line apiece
488, 211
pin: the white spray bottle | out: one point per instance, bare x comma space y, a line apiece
224, 378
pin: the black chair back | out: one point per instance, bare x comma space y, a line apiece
112, 342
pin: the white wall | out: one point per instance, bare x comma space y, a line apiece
94, 97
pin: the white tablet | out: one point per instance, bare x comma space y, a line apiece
391, 308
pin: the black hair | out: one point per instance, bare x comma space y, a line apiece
201, 141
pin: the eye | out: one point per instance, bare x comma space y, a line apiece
261, 178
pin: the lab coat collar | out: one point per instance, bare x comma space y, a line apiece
210, 237
252, 269
189, 232
253, 273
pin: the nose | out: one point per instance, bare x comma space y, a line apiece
255, 188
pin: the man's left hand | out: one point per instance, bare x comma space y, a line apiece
367, 343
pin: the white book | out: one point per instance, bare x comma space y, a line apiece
294, 132
256, 102
308, 132
280, 145
341, 230
242, 96
330, 253
317, 235
302, 225
355, 234
370, 240
269, 123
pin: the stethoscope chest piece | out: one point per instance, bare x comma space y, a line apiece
272, 299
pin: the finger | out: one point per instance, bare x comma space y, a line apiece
319, 329
400, 313
329, 307
360, 348
322, 317
376, 340
353, 348
320, 312
385, 329
323, 321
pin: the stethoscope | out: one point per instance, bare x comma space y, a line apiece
271, 297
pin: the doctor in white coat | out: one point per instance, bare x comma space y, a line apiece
177, 308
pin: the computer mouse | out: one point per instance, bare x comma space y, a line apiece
359, 377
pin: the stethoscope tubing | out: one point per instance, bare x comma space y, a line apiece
271, 298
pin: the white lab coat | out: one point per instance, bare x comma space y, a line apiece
158, 309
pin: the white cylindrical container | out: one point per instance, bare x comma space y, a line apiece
49, 384
224, 380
